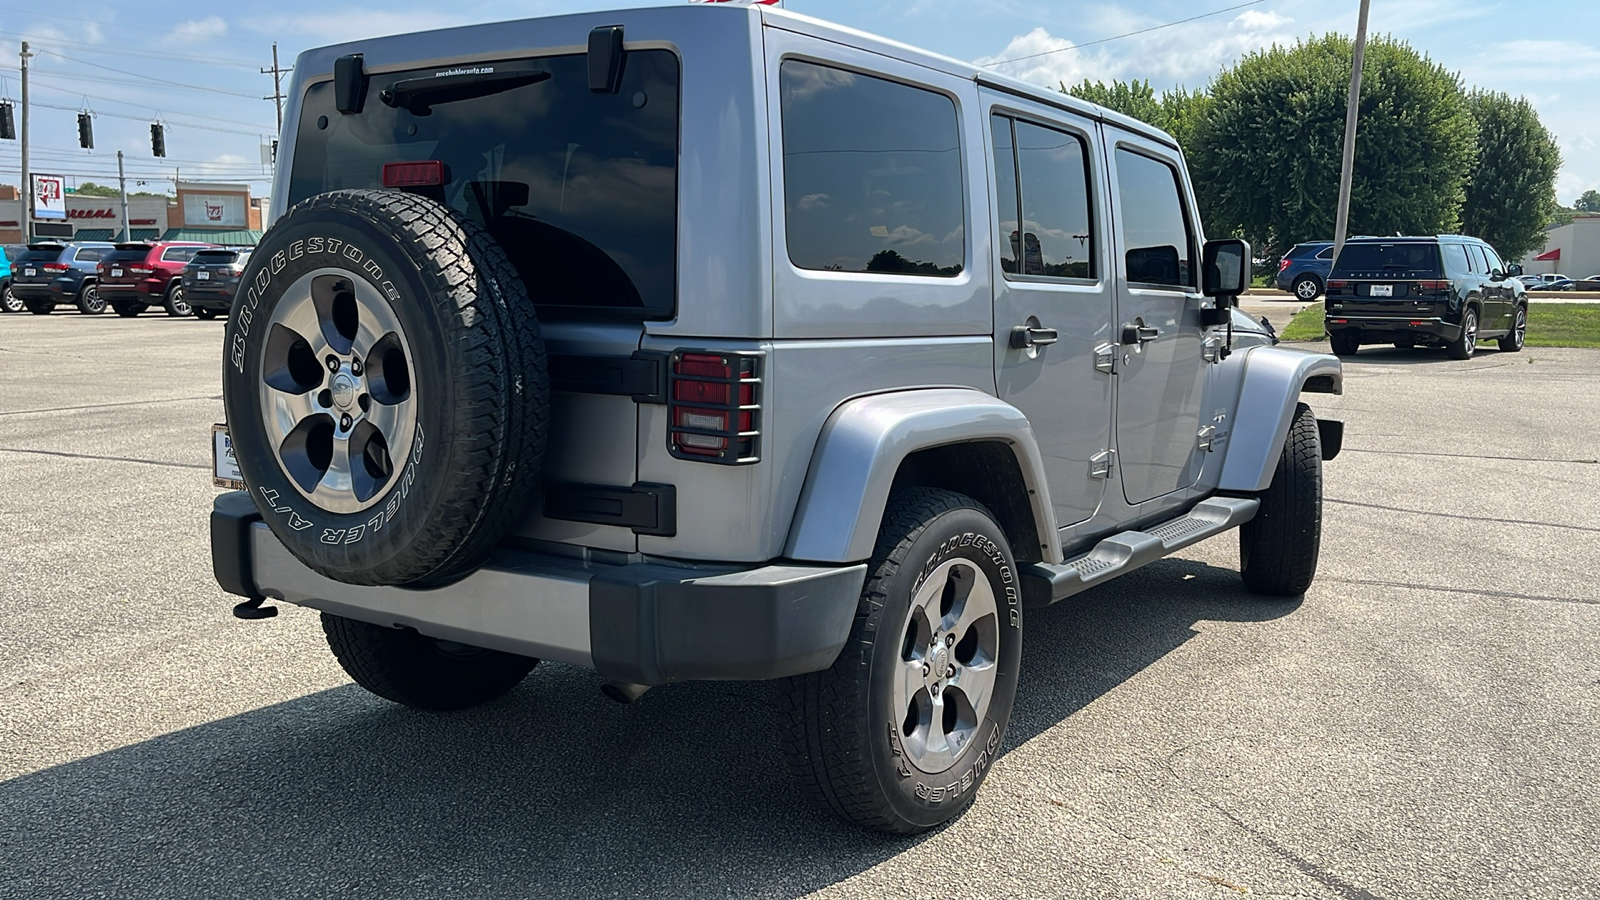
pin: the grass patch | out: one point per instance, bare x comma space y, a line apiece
1563, 325
1305, 326
1549, 325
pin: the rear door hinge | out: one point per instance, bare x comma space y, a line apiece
1105, 358
1101, 463
1211, 350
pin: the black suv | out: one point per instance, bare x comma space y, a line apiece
51, 272
1445, 291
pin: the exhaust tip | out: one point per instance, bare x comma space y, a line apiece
623, 692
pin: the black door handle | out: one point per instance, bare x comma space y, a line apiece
1025, 336
1138, 334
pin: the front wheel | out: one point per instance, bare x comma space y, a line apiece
1467, 342
413, 670
89, 301
1278, 548
175, 304
899, 733
10, 302
1512, 343
1345, 343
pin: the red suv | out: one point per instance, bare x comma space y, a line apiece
136, 275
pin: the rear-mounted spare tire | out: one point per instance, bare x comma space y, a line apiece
384, 382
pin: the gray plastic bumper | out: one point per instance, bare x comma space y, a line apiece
643, 623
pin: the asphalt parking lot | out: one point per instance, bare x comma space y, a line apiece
1423, 724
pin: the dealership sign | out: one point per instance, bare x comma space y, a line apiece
226, 210
49, 197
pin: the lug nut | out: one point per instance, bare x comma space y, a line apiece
950, 672
949, 640
333, 363
344, 423
936, 690
355, 365
924, 670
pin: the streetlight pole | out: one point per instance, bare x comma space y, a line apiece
122, 187
27, 180
1346, 170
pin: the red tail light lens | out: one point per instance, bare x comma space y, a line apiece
55, 267
141, 271
1337, 285
1283, 263
1433, 285
713, 407
413, 174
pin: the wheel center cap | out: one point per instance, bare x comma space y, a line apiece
344, 390
939, 662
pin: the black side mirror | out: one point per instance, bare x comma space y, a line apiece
1514, 270
1497, 275
1225, 269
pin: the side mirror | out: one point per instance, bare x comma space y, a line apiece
1514, 270
1225, 269
1497, 275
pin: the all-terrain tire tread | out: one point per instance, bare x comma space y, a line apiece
1278, 548
401, 666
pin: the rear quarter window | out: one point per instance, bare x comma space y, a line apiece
179, 254
1377, 258
91, 254
1455, 257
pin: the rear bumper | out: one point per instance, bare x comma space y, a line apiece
1393, 325
59, 290
643, 623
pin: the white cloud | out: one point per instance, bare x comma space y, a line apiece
194, 32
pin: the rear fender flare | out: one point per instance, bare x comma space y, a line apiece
860, 451
1273, 380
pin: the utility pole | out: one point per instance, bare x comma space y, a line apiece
277, 88
122, 186
27, 179
1347, 169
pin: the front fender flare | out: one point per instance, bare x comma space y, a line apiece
1273, 379
862, 446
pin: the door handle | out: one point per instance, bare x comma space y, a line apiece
1025, 336
1138, 334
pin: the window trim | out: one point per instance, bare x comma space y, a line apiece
1188, 225
780, 182
1091, 185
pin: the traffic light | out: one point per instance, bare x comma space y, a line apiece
158, 139
8, 124
85, 131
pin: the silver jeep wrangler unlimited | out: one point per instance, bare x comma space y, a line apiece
717, 342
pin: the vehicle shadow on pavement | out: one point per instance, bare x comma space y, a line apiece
551, 791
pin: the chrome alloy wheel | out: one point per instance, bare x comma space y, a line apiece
1469, 335
1520, 332
1306, 289
9, 301
337, 390
946, 676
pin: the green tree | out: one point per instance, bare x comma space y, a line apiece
90, 189
1511, 191
1174, 112
1589, 202
1265, 154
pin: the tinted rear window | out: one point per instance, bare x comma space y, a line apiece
580, 188
127, 255
40, 256
216, 257
1416, 257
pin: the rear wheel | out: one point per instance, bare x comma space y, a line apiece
1307, 287
1512, 343
128, 308
89, 301
10, 302
1278, 548
401, 665
899, 733
1345, 343
174, 302
1466, 343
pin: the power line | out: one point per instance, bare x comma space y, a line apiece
179, 123
78, 20
158, 80
100, 79
1118, 37
142, 54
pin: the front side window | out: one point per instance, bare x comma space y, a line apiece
1156, 237
871, 174
1056, 239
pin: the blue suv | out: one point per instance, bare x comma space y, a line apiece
8, 301
51, 272
1303, 271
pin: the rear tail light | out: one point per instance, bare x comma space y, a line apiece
413, 174
55, 267
1432, 285
139, 271
1283, 263
713, 407
1338, 285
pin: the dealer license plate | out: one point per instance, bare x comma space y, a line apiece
202, 276
30, 272
116, 273
1382, 290
224, 467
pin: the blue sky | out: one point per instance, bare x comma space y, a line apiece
131, 62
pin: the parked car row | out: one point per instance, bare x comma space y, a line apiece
1563, 283
182, 277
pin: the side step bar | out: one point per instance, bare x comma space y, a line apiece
1044, 584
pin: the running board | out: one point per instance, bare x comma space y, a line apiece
1044, 584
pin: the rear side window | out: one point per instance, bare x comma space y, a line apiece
1155, 226
178, 254
128, 256
580, 188
1417, 257
1056, 239
1327, 253
1480, 263
90, 254
871, 174
1455, 257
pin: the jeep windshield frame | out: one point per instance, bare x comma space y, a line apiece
580, 188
